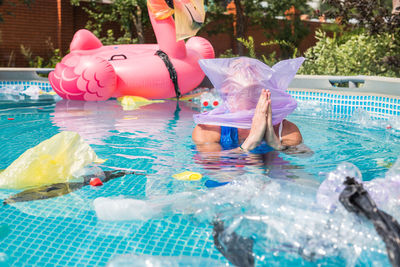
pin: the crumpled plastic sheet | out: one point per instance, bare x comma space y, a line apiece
290, 221
384, 191
54, 160
162, 261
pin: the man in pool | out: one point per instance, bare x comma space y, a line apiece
249, 114
279, 137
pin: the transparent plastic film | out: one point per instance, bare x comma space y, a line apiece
189, 17
54, 160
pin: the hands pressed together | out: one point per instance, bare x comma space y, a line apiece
261, 127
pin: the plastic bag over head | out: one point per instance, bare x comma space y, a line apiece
239, 82
54, 160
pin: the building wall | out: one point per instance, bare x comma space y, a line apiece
50, 23
34, 27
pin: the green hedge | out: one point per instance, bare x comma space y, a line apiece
354, 53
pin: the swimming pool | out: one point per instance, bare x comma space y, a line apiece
156, 141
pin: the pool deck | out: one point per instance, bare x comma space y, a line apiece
23, 74
366, 84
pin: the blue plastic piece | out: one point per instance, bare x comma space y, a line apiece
211, 183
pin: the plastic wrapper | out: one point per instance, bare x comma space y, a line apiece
134, 102
384, 191
54, 160
129, 209
188, 176
189, 15
239, 82
162, 261
209, 100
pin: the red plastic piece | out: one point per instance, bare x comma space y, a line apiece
10, 119
95, 181
205, 103
215, 103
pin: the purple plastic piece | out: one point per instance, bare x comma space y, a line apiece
239, 82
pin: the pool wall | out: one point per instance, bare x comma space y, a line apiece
380, 96
22, 78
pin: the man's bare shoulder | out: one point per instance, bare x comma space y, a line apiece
291, 135
204, 133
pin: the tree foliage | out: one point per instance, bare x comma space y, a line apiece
356, 53
131, 15
358, 18
9, 5
374, 15
263, 13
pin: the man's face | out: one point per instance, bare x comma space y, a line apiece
241, 98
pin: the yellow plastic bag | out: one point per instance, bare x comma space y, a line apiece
52, 161
188, 176
129, 102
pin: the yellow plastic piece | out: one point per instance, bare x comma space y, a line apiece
41, 92
52, 161
133, 102
188, 176
384, 163
186, 97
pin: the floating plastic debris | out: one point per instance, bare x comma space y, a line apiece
163, 261
188, 176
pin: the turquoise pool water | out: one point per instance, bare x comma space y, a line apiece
156, 141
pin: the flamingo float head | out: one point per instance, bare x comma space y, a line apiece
189, 15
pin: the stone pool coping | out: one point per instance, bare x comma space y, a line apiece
370, 85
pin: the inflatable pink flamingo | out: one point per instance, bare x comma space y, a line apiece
94, 72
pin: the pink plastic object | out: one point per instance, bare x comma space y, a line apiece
94, 72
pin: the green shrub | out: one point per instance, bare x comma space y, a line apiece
357, 53
54, 56
249, 45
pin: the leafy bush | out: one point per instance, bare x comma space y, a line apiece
249, 45
356, 53
50, 61
130, 15
369, 42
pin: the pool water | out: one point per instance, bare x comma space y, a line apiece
155, 140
